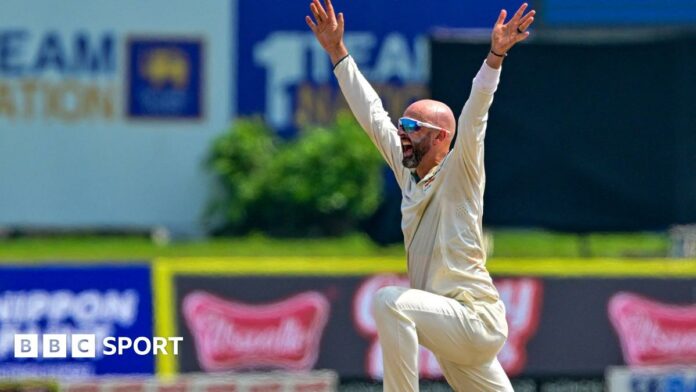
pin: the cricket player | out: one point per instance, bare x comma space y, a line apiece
452, 307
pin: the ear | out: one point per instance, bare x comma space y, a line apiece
437, 138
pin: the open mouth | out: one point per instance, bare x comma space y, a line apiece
407, 148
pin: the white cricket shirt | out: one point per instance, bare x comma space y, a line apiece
441, 213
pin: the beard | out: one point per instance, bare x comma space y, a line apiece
417, 152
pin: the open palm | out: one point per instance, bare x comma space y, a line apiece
328, 28
506, 35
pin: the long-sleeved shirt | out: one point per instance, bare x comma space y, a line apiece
441, 213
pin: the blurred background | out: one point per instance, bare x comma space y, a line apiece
180, 168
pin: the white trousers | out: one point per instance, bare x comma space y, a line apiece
465, 338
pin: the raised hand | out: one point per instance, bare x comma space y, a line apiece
506, 35
328, 29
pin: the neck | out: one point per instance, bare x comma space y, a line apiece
429, 161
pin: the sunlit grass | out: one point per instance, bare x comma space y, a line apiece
506, 243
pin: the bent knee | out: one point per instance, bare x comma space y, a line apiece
385, 299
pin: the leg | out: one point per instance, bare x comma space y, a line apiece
489, 376
399, 341
407, 317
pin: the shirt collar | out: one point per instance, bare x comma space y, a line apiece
430, 173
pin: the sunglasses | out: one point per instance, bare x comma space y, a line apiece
410, 125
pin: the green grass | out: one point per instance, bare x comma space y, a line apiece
507, 243
134, 248
520, 243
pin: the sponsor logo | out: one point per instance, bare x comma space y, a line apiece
522, 299
98, 312
58, 321
652, 332
51, 75
298, 74
73, 76
165, 78
428, 182
233, 335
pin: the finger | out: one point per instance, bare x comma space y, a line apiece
501, 17
521, 37
527, 16
310, 23
525, 25
519, 13
320, 8
315, 12
330, 9
341, 22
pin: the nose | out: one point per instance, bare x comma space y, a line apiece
400, 131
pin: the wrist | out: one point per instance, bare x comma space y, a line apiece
494, 61
339, 52
500, 52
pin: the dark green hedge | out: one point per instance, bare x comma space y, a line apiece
323, 182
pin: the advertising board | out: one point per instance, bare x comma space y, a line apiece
101, 300
285, 75
297, 314
109, 108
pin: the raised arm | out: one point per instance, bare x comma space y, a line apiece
472, 121
505, 35
361, 97
328, 29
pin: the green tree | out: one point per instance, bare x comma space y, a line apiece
240, 159
323, 182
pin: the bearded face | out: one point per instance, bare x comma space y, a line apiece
414, 148
426, 125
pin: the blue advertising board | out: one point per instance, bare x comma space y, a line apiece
86, 299
117, 104
284, 74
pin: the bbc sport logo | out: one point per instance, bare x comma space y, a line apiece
85, 345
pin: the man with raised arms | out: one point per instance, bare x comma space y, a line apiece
452, 307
